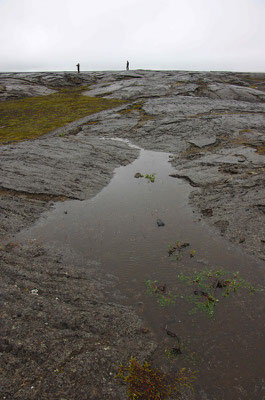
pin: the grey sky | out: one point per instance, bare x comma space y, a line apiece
38, 35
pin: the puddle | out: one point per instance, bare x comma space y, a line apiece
118, 230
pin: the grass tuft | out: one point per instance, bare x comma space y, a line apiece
31, 117
147, 383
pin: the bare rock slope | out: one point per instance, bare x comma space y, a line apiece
54, 316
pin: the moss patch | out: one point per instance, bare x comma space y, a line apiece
261, 149
133, 107
31, 117
143, 115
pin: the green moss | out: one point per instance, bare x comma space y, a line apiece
245, 131
143, 116
92, 123
31, 117
134, 107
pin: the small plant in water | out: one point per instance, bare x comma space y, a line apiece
192, 253
150, 177
207, 285
173, 352
176, 249
146, 383
164, 298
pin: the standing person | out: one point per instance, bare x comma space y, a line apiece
78, 67
127, 65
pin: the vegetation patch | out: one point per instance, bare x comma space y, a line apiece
133, 107
247, 141
207, 288
137, 107
146, 383
181, 350
31, 117
92, 123
149, 177
175, 249
261, 149
164, 297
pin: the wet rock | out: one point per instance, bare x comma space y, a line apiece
187, 178
231, 170
260, 207
222, 225
160, 222
233, 92
203, 141
74, 337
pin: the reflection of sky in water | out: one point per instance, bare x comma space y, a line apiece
118, 228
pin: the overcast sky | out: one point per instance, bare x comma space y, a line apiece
41, 35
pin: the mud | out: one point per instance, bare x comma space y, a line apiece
60, 336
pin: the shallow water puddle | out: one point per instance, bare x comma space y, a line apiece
118, 229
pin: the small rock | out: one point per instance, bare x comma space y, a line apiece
203, 141
138, 175
160, 222
65, 212
207, 212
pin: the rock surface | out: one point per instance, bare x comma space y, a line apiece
54, 315
57, 336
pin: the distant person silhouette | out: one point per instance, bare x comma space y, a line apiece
127, 65
78, 67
